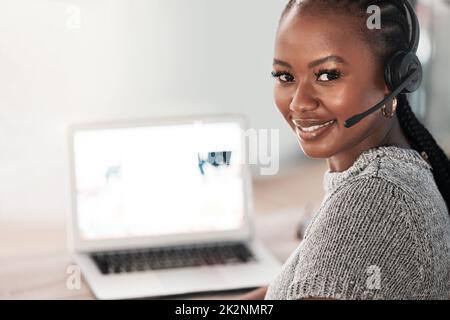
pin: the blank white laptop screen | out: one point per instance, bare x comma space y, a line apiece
158, 180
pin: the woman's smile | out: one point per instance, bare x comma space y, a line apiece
309, 130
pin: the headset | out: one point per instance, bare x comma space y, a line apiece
402, 72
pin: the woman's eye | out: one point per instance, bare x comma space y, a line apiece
328, 75
283, 76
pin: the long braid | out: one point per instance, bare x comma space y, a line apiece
424, 142
392, 37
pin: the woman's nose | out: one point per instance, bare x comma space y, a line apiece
303, 99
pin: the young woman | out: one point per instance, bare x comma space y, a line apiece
383, 229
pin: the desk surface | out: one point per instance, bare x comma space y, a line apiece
34, 259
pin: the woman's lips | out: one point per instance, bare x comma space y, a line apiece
311, 130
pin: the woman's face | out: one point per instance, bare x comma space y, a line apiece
326, 73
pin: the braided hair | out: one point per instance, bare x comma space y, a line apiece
384, 42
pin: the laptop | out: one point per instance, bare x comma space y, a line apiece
163, 208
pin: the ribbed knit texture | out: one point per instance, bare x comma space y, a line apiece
382, 231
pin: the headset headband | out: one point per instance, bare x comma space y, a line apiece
415, 29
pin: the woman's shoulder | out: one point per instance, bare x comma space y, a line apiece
384, 173
373, 207
373, 199
374, 191
364, 226
407, 171
376, 217
381, 201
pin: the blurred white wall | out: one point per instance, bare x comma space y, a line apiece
121, 59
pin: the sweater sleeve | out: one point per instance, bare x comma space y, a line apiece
365, 243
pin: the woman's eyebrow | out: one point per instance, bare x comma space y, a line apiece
333, 58
281, 63
314, 63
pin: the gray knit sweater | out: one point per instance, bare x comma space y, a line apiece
381, 232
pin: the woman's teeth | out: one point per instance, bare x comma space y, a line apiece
317, 127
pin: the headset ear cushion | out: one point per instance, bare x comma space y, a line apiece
411, 63
397, 69
390, 70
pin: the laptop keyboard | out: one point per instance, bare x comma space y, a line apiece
172, 257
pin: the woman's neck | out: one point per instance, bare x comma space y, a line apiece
345, 159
